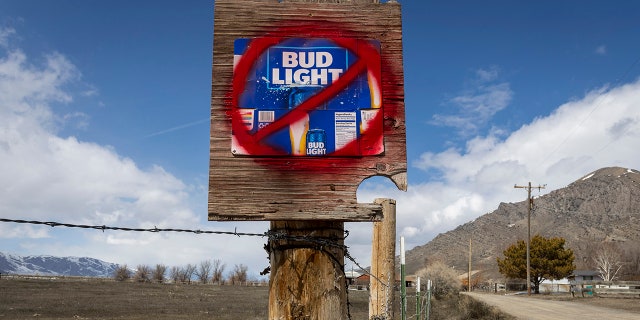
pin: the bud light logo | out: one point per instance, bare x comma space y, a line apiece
284, 88
316, 142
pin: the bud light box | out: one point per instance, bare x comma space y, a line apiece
306, 97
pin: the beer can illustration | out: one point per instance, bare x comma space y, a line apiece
298, 130
316, 142
297, 133
300, 93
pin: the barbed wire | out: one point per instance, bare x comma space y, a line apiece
154, 229
271, 235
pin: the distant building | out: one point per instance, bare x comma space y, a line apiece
351, 276
409, 280
585, 275
362, 282
570, 283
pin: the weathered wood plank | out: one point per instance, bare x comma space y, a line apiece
298, 188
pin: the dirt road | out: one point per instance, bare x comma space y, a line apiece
524, 307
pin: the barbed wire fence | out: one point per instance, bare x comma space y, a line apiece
270, 235
317, 243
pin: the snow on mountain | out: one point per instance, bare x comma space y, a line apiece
49, 265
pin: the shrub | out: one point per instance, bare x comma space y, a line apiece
122, 273
444, 280
143, 273
159, 272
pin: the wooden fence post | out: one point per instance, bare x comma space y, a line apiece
383, 262
307, 277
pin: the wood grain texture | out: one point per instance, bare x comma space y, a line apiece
307, 280
383, 254
299, 188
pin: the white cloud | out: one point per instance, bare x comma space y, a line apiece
78, 119
47, 177
601, 50
24, 231
487, 75
474, 108
599, 130
5, 35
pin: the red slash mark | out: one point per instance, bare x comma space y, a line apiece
368, 60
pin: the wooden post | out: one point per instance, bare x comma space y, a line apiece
469, 272
418, 310
403, 283
307, 277
428, 298
383, 262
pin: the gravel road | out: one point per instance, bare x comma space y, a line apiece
523, 307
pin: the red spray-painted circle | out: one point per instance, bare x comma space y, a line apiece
368, 61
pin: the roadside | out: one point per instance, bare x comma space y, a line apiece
524, 307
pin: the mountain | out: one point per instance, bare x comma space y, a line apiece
603, 206
48, 265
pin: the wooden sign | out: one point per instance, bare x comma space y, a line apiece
307, 102
315, 97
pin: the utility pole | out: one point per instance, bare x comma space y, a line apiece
469, 273
530, 201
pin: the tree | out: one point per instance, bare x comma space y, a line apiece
159, 272
143, 273
549, 260
239, 274
204, 271
608, 261
174, 274
218, 271
122, 273
633, 266
476, 280
187, 272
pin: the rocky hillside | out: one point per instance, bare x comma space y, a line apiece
603, 206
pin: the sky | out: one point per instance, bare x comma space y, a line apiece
105, 105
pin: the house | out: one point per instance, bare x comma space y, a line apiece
572, 283
361, 282
549, 286
585, 275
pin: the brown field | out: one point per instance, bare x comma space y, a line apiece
81, 298
73, 298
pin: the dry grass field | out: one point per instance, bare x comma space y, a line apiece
69, 298
78, 298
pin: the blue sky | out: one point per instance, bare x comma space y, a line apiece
104, 119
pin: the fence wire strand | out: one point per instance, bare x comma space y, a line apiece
271, 235
154, 229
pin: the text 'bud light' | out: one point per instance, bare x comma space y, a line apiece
316, 142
